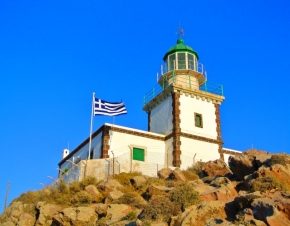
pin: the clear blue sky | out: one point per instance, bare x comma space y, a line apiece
54, 54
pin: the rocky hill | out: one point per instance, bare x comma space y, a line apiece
253, 190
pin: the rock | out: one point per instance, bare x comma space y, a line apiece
13, 212
113, 195
178, 175
225, 192
8, 223
46, 212
26, 220
265, 211
242, 165
245, 200
110, 185
156, 190
219, 181
218, 221
164, 173
76, 216
199, 214
93, 191
101, 210
216, 168
115, 212
138, 181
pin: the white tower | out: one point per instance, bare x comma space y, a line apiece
185, 108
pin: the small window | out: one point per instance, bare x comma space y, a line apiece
138, 154
198, 120
92, 154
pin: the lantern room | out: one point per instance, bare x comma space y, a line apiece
182, 67
180, 57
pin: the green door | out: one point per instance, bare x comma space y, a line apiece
138, 154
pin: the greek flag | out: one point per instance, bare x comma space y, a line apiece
102, 107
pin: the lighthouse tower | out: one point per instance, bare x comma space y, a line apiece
186, 108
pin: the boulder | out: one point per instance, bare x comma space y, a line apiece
245, 200
265, 211
216, 168
13, 212
26, 219
76, 216
113, 195
223, 193
223, 190
115, 212
93, 191
46, 212
218, 222
110, 185
199, 214
101, 210
156, 190
242, 165
164, 173
178, 175
138, 181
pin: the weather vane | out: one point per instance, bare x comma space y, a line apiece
180, 31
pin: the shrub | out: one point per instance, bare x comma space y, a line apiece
88, 181
160, 207
196, 168
130, 216
27, 198
75, 187
124, 178
184, 195
81, 197
267, 183
132, 198
190, 175
281, 159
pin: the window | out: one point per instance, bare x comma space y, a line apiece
171, 63
92, 154
138, 154
181, 61
198, 120
190, 62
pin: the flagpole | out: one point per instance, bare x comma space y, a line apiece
92, 118
91, 128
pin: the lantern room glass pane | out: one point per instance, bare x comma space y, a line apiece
171, 62
190, 62
181, 61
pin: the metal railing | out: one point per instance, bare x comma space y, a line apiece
198, 67
184, 82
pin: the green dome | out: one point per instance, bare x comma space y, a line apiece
180, 47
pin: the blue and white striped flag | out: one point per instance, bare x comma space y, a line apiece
102, 107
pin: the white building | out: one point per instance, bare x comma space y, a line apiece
183, 126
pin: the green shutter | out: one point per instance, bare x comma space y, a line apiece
138, 154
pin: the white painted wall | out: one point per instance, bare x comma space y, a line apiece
155, 148
82, 154
189, 106
161, 117
204, 152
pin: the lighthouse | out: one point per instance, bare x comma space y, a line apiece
186, 108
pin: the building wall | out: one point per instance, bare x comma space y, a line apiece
195, 150
189, 106
161, 117
82, 154
122, 143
